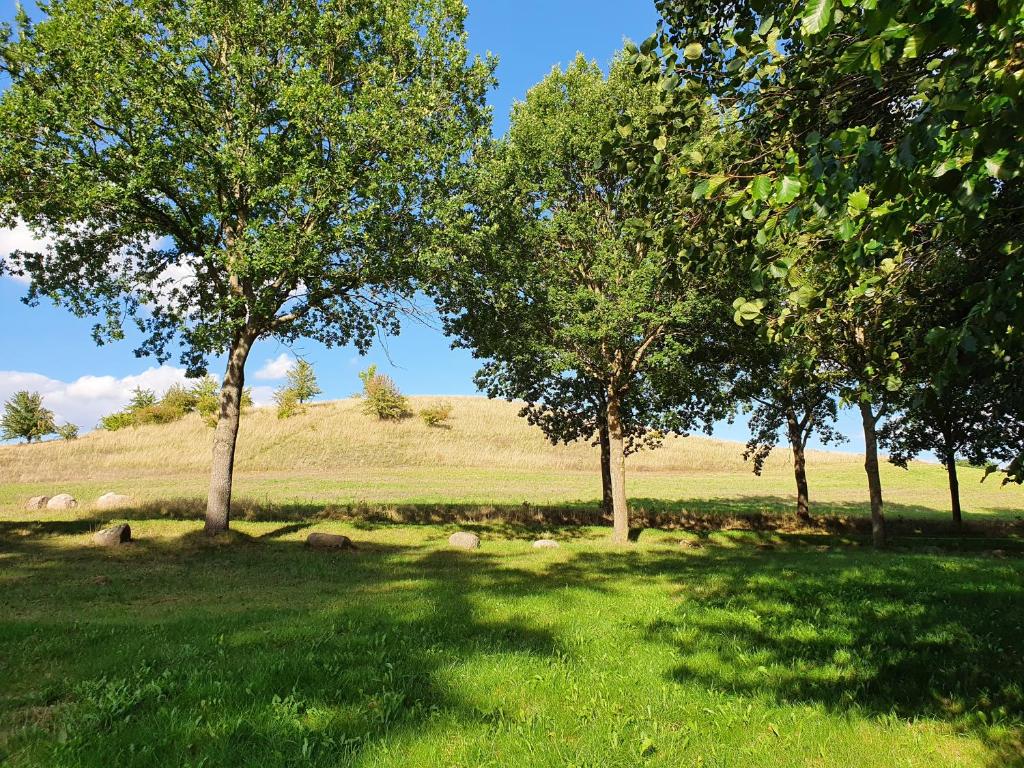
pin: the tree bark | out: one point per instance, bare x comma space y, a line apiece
954, 490
796, 440
218, 503
617, 465
606, 469
870, 420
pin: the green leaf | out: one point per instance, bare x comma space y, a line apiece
714, 183
789, 190
859, 200
995, 165
700, 190
693, 51
661, 142
761, 187
817, 16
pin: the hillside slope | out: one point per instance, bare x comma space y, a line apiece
334, 454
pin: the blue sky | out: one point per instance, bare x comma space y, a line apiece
46, 349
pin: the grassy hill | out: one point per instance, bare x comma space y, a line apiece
335, 456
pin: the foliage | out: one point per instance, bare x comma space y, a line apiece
871, 131
301, 387
568, 285
288, 404
381, 397
67, 431
116, 421
302, 381
436, 415
26, 418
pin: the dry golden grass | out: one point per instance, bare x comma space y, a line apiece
335, 455
482, 434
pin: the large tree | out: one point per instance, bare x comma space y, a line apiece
872, 129
224, 171
564, 276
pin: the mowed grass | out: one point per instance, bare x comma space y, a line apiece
257, 651
487, 457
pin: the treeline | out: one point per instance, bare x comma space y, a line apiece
782, 206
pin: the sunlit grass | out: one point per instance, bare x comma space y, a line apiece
257, 651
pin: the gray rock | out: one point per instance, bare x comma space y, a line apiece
113, 536
37, 502
62, 501
329, 541
546, 544
464, 540
112, 500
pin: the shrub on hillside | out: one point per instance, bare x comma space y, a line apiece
67, 431
288, 404
436, 415
116, 421
301, 387
381, 397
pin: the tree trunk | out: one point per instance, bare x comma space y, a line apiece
218, 503
617, 466
606, 469
869, 421
954, 490
796, 440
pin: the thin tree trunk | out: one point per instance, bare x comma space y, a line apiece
869, 421
617, 465
606, 469
954, 490
218, 504
803, 506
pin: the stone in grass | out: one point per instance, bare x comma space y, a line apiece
37, 502
62, 501
690, 544
329, 541
112, 500
545, 544
113, 536
464, 540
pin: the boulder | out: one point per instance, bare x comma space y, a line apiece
690, 544
464, 540
112, 500
113, 536
329, 541
62, 501
37, 502
545, 544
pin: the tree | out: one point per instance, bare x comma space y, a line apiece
787, 395
381, 396
302, 381
67, 431
224, 172
26, 418
872, 129
567, 286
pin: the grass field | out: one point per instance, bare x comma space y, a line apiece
759, 645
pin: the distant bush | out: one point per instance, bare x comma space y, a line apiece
288, 404
176, 403
436, 415
116, 421
381, 397
67, 431
25, 417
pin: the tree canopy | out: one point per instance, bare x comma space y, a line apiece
222, 172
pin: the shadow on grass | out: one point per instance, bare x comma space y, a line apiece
245, 651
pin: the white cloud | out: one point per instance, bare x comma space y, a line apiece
84, 400
19, 238
276, 368
262, 396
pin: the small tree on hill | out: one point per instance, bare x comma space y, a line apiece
68, 431
381, 397
302, 381
26, 418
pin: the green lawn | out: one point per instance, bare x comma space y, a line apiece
816, 652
